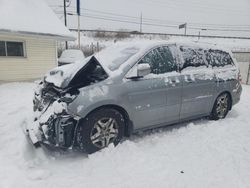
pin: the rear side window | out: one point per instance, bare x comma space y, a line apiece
218, 58
192, 57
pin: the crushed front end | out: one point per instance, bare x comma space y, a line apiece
53, 124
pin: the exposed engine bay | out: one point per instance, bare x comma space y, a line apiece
55, 125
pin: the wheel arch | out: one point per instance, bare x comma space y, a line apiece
128, 123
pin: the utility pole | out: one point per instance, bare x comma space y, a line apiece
141, 23
185, 28
78, 7
65, 20
79, 36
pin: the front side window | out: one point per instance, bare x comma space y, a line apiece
9, 48
192, 57
160, 60
154, 60
169, 64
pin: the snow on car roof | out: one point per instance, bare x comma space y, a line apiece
31, 17
114, 57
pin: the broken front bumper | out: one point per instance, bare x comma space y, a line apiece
33, 135
58, 131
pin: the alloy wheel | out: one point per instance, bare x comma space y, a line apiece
104, 132
222, 105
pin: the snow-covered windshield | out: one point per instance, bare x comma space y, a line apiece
113, 57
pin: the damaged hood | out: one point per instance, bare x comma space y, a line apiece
112, 60
61, 76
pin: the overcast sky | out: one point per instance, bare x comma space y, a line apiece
230, 15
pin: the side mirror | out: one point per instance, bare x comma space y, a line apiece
143, 69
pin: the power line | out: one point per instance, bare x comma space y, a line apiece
173, 22
93, 16
171, 3
204, 8
161, 23
125, 21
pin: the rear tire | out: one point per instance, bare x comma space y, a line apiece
221, 107
99, 129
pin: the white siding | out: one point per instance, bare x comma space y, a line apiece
242, 56
245, 71
243, 59
40, 57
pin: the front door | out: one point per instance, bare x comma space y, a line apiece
155, 98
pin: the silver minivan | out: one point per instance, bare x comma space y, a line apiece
130, 87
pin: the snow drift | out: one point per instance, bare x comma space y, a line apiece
201, 153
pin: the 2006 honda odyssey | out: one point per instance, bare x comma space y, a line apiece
130, 87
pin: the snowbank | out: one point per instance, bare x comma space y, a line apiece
202, 153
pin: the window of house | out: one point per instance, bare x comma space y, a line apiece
11, 49
2, 48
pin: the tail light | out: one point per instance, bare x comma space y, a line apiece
239, 77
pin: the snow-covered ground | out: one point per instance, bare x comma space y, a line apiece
200, 153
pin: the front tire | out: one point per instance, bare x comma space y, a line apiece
99, 129
221, 107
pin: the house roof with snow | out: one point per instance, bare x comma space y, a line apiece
31, 17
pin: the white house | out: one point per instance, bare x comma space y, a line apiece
29, 31
243, 58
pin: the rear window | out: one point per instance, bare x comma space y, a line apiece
218, 58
